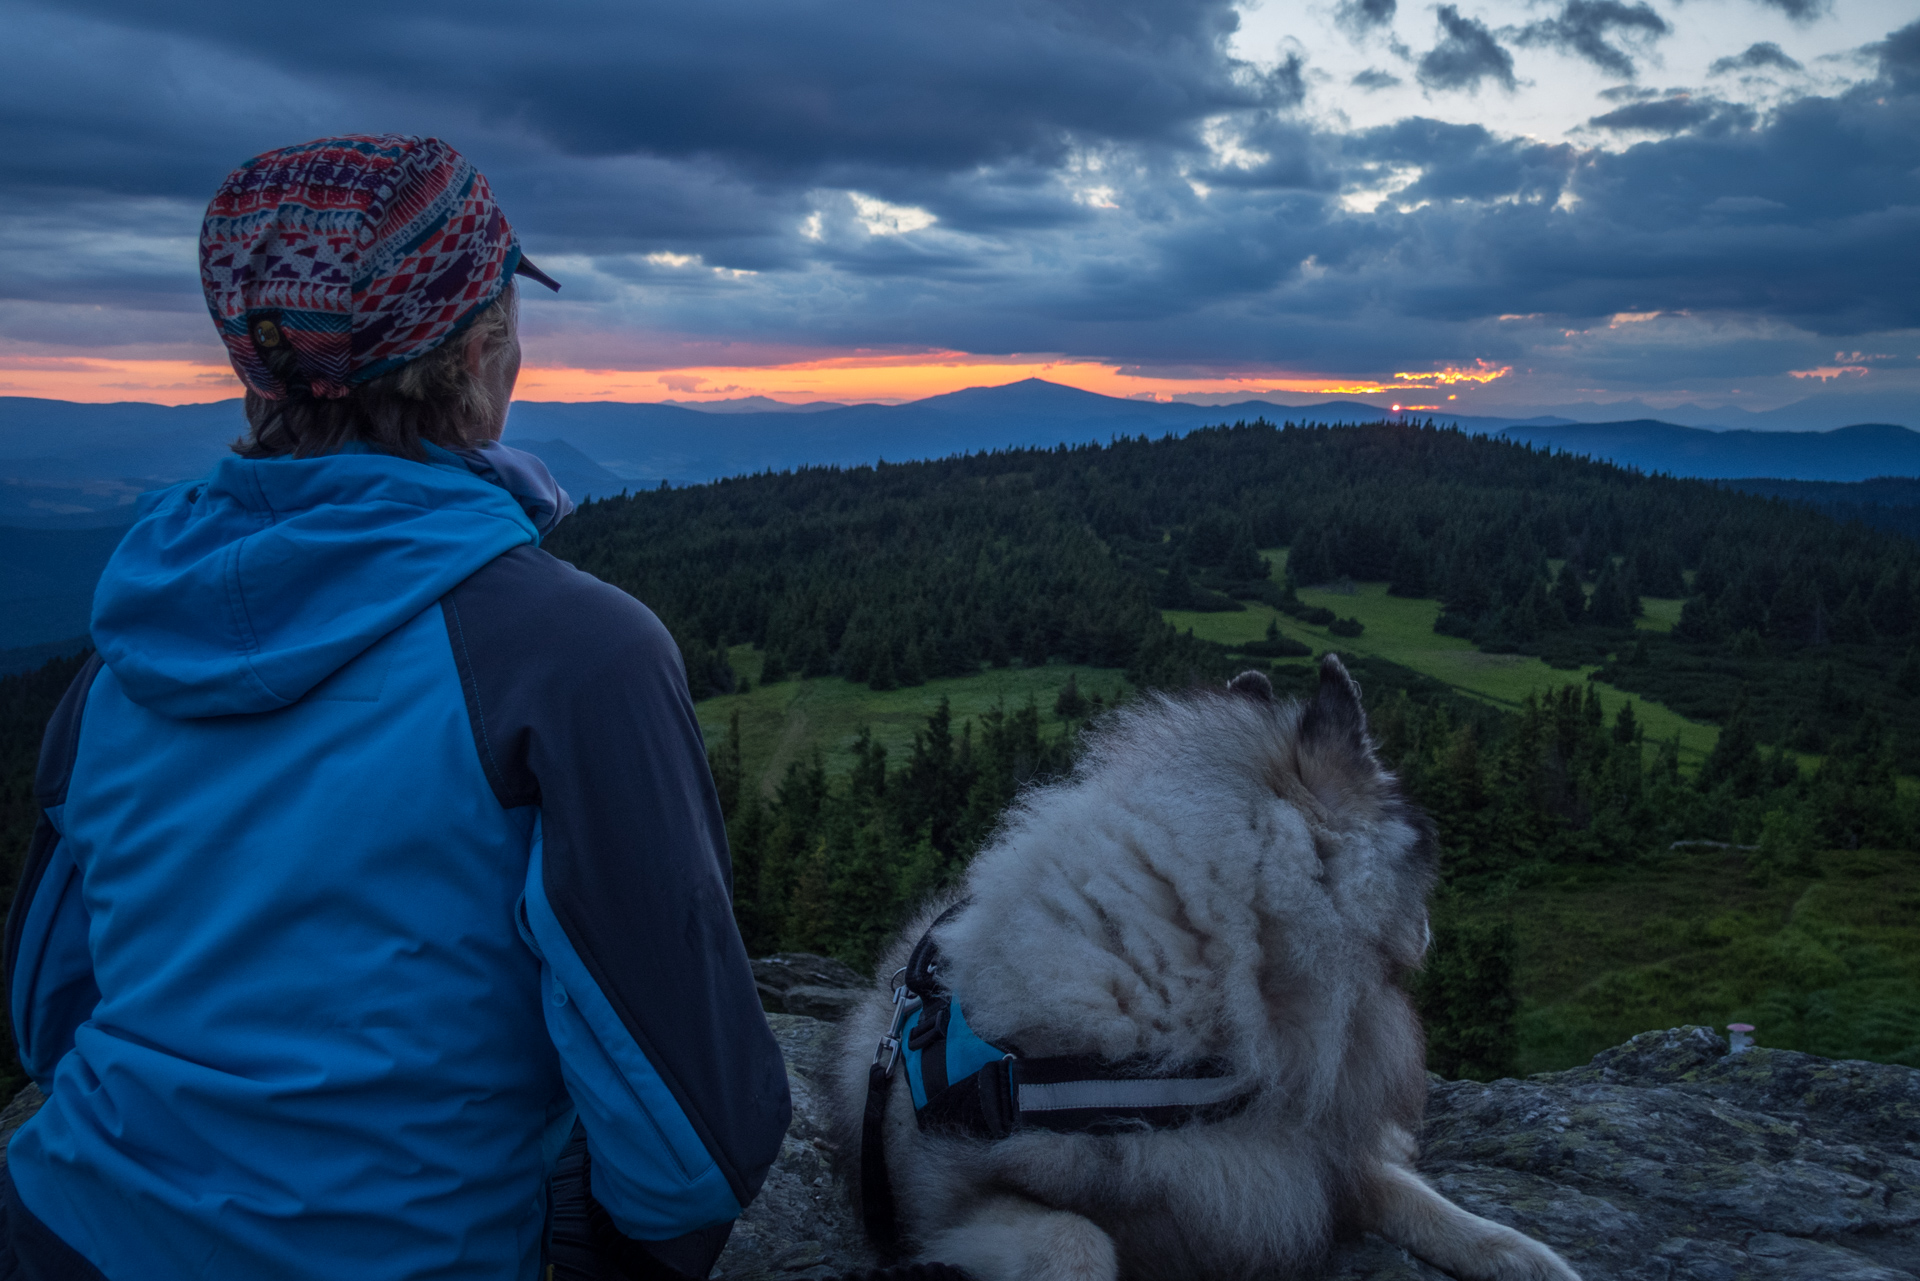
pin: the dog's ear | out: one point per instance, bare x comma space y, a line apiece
1335, 718
1254, 685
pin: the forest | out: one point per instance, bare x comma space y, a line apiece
1796, 639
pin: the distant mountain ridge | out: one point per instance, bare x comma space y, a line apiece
1856, 453
70, 473
66, 465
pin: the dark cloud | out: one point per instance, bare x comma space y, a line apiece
777, 88
1764, 54
1119, 188
1802, 11
1285, 84
1466, 162
1362, 16
1467, 54
1375, 78
1582, 27
1900, 56
1674, 115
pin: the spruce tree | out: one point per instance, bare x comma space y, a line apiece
1735, 758
1070, 705
1567, 594
773, 669
1609, 606
1176, 589
1466, 997
1626, 727
1245, 564
1851, 625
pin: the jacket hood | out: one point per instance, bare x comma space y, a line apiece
242, 592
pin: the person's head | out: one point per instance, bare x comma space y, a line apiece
363, 287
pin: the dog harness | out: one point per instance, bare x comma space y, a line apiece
966, 1086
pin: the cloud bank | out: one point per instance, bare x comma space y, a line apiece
743, 183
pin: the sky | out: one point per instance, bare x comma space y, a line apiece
1486, 207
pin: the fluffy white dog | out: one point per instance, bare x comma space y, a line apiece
1229, 890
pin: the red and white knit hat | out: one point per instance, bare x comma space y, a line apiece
361, 252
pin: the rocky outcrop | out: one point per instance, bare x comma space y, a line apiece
802, 1226
1665, 1159
818, 987
23, 1106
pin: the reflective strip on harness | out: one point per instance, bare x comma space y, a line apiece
1163, 1092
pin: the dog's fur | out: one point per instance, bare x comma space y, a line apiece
1224, 876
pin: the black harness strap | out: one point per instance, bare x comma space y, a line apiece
877, 1208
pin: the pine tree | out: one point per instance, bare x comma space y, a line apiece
1245, 564
1567, 594
1609, 606
1466, 997
1176, 589
1735, 758
1409, 575
1626, 727
913, 665
1070, 705
1851, 626
881, 675
773, 669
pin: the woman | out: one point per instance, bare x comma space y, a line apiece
379, 847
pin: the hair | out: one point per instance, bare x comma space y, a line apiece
435, 398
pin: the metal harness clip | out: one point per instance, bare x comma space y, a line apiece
903, 1007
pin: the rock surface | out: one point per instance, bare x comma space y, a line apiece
818, 987
24, 1105
1665, 1159
802, 1226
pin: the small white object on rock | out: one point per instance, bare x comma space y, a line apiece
1741, 1038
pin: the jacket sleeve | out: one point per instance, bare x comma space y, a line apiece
49, 969
580, 707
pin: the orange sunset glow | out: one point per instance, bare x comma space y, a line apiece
858, 377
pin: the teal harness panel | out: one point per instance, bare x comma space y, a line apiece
965, 1052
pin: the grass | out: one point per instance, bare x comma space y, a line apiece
1658, 615
1400, 630
1827, 964
787, 721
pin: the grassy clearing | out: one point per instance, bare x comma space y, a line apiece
1659, 615
1826, 964
787, 721
1400, 630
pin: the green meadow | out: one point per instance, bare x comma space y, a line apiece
788, 721
1829, 965
1400, 630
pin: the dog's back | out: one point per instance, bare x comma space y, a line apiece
1225, 879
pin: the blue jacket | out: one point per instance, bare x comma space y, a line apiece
378, 845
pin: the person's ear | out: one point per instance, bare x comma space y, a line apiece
475, 354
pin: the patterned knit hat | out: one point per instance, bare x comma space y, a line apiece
362, 253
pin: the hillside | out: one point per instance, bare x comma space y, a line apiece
1573, 666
